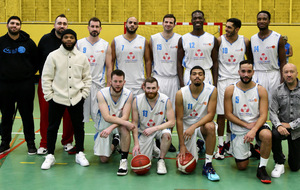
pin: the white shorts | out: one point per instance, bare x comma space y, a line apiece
90, 106
222, 85
191, 144
168, 86
135, 91
208, 77
268, 79
146, 143
102, 146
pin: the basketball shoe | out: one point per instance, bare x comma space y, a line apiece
80, 159
123, 167
49, 161
161, 167
262, 175
210, 173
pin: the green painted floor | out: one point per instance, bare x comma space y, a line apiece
20, 171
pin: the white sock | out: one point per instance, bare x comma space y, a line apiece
208, 158
220, 138
263, 162
228, 135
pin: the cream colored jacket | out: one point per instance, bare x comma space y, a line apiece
66, 76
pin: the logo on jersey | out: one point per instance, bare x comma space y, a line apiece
252, 100
245, 108
20, 49
198, 54
159, 113
138, 47
92, 60
239, 49
244, 111
151, 123
194, 113
271, 47
166, 57
174, 47
131, 57
231, 59
100, 51
207, 44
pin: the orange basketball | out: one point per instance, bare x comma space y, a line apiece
187, 165
140, 164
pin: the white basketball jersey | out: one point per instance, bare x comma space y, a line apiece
96, 54
195, 109
245, 105
197, 50
165, 54
115, 108
265, 52
230, 55
130, 59
150, 117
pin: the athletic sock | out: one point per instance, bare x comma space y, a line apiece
124, 155
263, 162
228, 136
220, 138
208, 158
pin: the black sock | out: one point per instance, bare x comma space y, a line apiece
124, 155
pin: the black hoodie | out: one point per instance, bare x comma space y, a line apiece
18, 58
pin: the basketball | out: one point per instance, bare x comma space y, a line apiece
140, 164
187, 165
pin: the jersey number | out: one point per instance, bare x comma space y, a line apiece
192, 45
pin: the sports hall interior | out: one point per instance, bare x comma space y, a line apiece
21, 171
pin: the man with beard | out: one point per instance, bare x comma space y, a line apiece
66, 82
153, 116
48, 43
246, 107
129, 51
115, 104
18, 64
197, 48
232, 50
268, 54
195, 111
163, 51
285, 117
98, 53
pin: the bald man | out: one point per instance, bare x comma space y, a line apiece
131, 53
285, 117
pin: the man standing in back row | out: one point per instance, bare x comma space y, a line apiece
197, 48
268, 54
129, 51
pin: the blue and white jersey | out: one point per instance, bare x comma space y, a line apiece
245, 105
150, 117
229, 57
130, 59
165, 54
265, 52
198, 50
195, 109
96, 54
115, 108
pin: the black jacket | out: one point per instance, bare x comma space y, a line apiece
18, 58
48, 43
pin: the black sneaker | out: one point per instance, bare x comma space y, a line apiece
227, 147
4, 148
255, 153
262, 175
200, 145
172, 148
31, 148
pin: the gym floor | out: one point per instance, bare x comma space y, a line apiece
19, 171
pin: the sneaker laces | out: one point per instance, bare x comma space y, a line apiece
123, 164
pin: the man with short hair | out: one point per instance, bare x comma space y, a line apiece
48, 43
285, 118
129, 51
98, 53
232, 50
268, 54
288, 48
246, 107
66, 82
18, 65
115, 104
197, 48
195, 111
163, 50
153, 116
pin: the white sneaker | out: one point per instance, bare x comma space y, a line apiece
68, 147
80, 159
49, 161
161, 167
219, 156
42, 150
123, 167
278, 170
156, 151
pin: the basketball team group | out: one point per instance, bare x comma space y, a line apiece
189, 79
